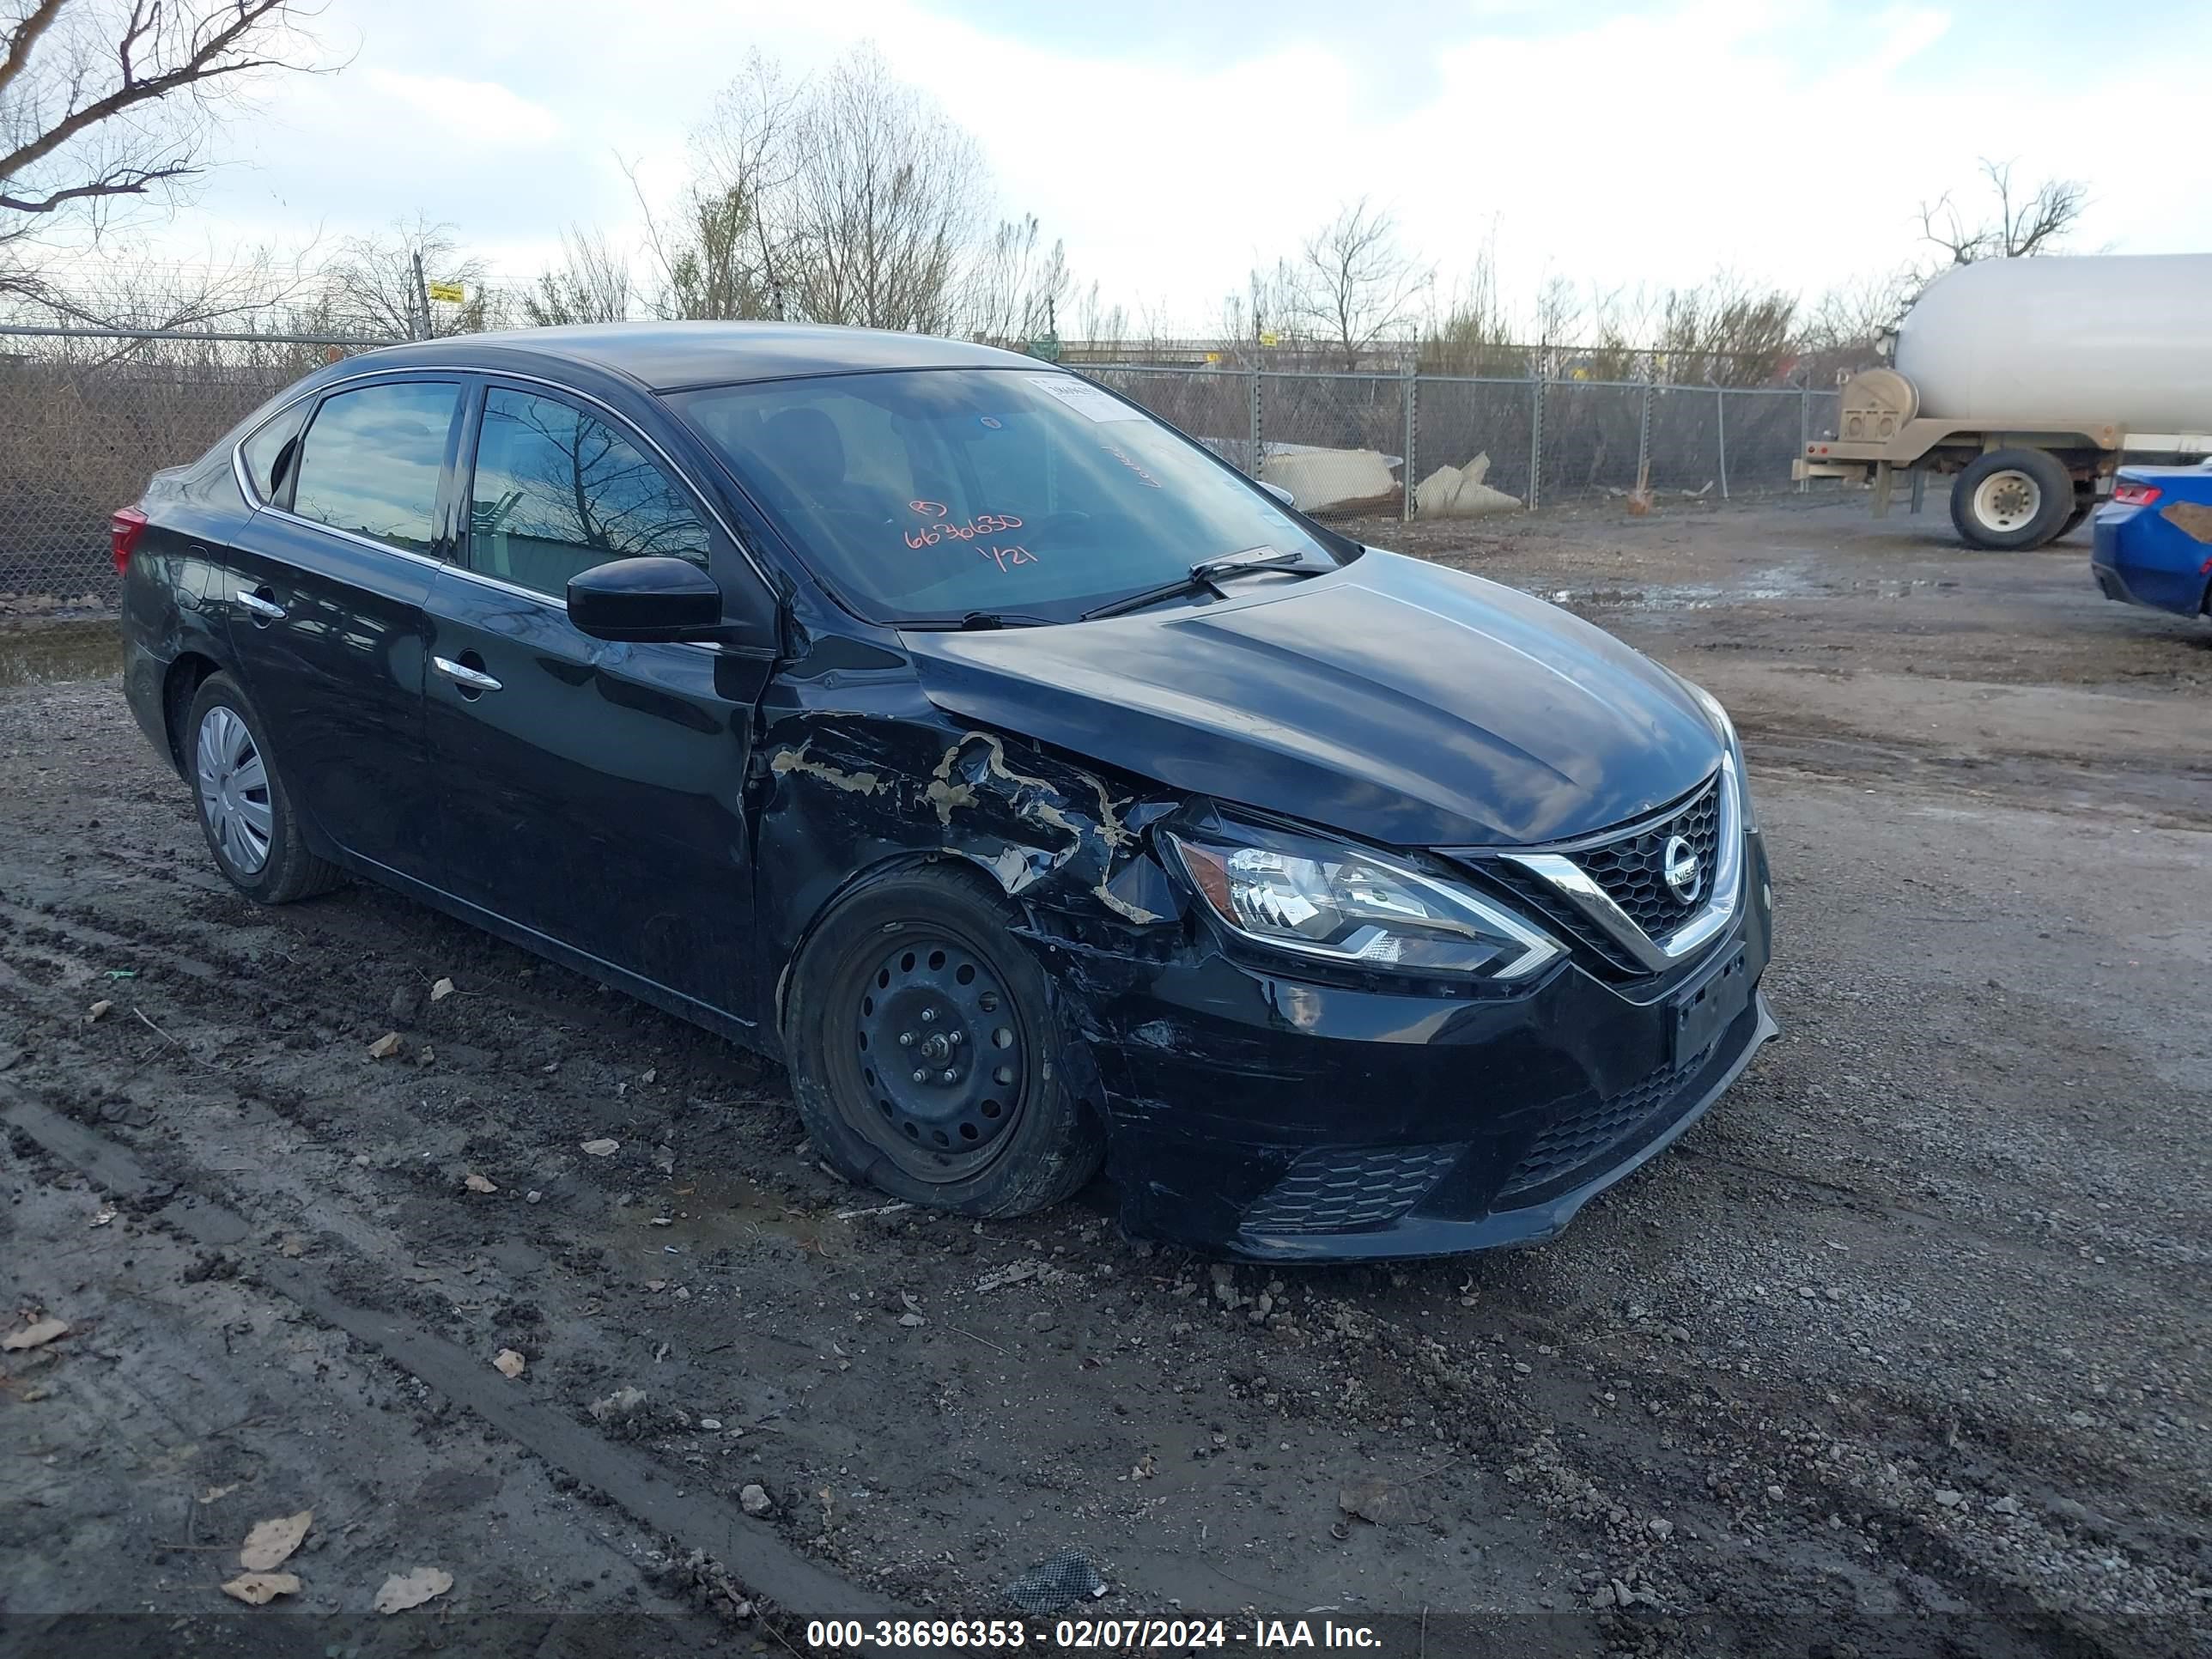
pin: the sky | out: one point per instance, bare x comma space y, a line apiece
1172, 144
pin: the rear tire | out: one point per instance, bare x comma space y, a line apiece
245, 810
2011, 500
928, 1056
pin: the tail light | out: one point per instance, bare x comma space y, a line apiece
2135, 495
124, 526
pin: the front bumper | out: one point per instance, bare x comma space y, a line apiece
1274, 1120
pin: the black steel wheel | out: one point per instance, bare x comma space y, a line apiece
939, 1057
927, 1054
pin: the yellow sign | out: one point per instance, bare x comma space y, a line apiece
1268, 337
450, 291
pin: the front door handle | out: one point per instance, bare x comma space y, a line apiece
469, 679
265, 609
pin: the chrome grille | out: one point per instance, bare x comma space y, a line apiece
1609, 891
1631, 869
1561, 915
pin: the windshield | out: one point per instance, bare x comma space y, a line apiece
931, 494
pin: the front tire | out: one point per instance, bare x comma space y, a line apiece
245, 810
929, 1055
2011, 500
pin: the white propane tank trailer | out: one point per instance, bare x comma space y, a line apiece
2030, 380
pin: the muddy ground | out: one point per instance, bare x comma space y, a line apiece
1902, 1350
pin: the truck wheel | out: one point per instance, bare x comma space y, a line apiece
2012, 499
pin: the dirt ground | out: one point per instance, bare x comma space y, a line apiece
1902, 1350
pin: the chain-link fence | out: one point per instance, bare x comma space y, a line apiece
1544, 442
86, 416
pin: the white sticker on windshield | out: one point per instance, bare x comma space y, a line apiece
1086, 399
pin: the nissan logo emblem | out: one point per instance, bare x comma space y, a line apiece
1678, 864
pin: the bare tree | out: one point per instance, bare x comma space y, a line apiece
1352, 283
1107, 326
851, 197
1843, 328
104, 101
372, 288
2026, 222
591, 284
252, 289
1726, 332
1472, 335
1259, 317
706, 255
1560, 312
884, 204
720, 251
1017, 288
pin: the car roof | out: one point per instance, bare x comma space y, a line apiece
666, 355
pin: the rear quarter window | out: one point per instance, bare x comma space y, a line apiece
268, 455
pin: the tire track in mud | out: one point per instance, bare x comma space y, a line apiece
786, 1585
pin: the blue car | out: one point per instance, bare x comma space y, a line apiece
2154, 538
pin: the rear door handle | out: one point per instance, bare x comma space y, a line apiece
469, 680
266, 610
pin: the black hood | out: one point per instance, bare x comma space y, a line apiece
1395, 700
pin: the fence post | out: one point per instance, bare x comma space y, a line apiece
1719, 406
1804, 429
1412, 394
1643, 437
1536, 437
1256, 422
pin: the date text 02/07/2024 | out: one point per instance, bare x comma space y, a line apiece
1090, 1635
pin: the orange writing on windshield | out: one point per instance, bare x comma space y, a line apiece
983, 523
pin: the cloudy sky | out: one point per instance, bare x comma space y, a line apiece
1172, 143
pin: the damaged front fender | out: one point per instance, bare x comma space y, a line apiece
842, 795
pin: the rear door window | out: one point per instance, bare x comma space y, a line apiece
558, 490
371, 459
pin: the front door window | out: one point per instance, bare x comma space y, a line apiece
558, 491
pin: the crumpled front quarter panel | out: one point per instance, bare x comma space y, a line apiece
847, 782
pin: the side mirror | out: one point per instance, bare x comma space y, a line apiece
656, 598
1278, 492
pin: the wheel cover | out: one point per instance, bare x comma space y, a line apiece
939, 1059
2008, 500
234, 789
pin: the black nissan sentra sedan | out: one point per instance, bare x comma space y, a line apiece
1041, 791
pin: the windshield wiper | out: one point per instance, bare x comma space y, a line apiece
1206, 573
978, 621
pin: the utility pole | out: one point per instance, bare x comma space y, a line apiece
421, 331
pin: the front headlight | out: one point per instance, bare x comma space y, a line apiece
1357, 909
1726, 729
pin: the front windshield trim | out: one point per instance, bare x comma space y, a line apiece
1339, 549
